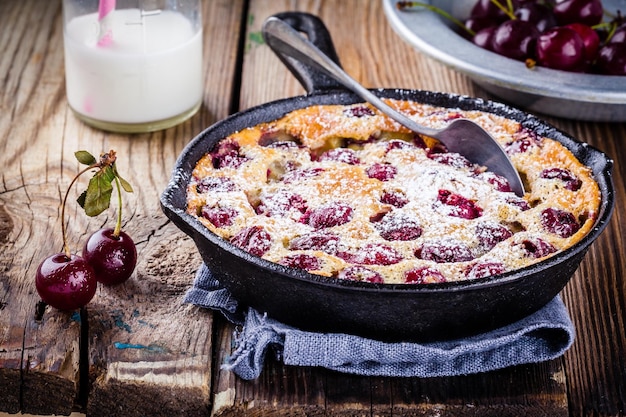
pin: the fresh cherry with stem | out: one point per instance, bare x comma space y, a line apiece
111, 252
64, 280
67, 281
113, 256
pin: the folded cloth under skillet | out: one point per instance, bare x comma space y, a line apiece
541, 336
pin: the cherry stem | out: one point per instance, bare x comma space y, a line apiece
506, 10
66, 247
510, 6
118, 223
611, 28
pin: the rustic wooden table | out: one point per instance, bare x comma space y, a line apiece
136, 349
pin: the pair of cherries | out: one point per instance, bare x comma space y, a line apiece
68, 281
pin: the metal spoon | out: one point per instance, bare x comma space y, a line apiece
461, 135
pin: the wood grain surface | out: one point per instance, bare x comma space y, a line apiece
136, 349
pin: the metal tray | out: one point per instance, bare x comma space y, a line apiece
585, 97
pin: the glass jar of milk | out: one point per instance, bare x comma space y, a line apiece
132, 65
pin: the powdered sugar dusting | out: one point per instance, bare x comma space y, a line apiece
356, 196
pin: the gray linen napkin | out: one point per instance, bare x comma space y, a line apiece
542, 336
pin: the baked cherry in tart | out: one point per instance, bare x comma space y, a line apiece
344, 155
344, 192
253, 239
219, 216
444, 251
490, 234
394, 198
227, 155
560, 222
398, 227
328, 215
301, 261
281, 203
459, 206
423, 275
537, 248
484, 269
360, 273
382, 172
569, 180
373, 254
319, 241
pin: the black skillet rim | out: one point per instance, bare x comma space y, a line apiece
584, 152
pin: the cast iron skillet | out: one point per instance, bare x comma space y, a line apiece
382, 311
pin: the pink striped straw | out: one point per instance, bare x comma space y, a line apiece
105, 13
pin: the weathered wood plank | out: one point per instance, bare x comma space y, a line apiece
38, 357
596, 297
528, 390
279, 391
150, 354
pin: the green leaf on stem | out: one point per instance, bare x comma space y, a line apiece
99, 190
85, 157
125, 184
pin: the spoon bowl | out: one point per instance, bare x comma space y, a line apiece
461, 136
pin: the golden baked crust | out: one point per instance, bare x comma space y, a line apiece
344, 191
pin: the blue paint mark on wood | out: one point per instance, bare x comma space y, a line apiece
145, 323
118, 319
150, 348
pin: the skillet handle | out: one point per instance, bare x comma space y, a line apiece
310, 78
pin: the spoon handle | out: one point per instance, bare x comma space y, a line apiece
287, 41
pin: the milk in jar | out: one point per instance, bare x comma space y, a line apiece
150, 72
